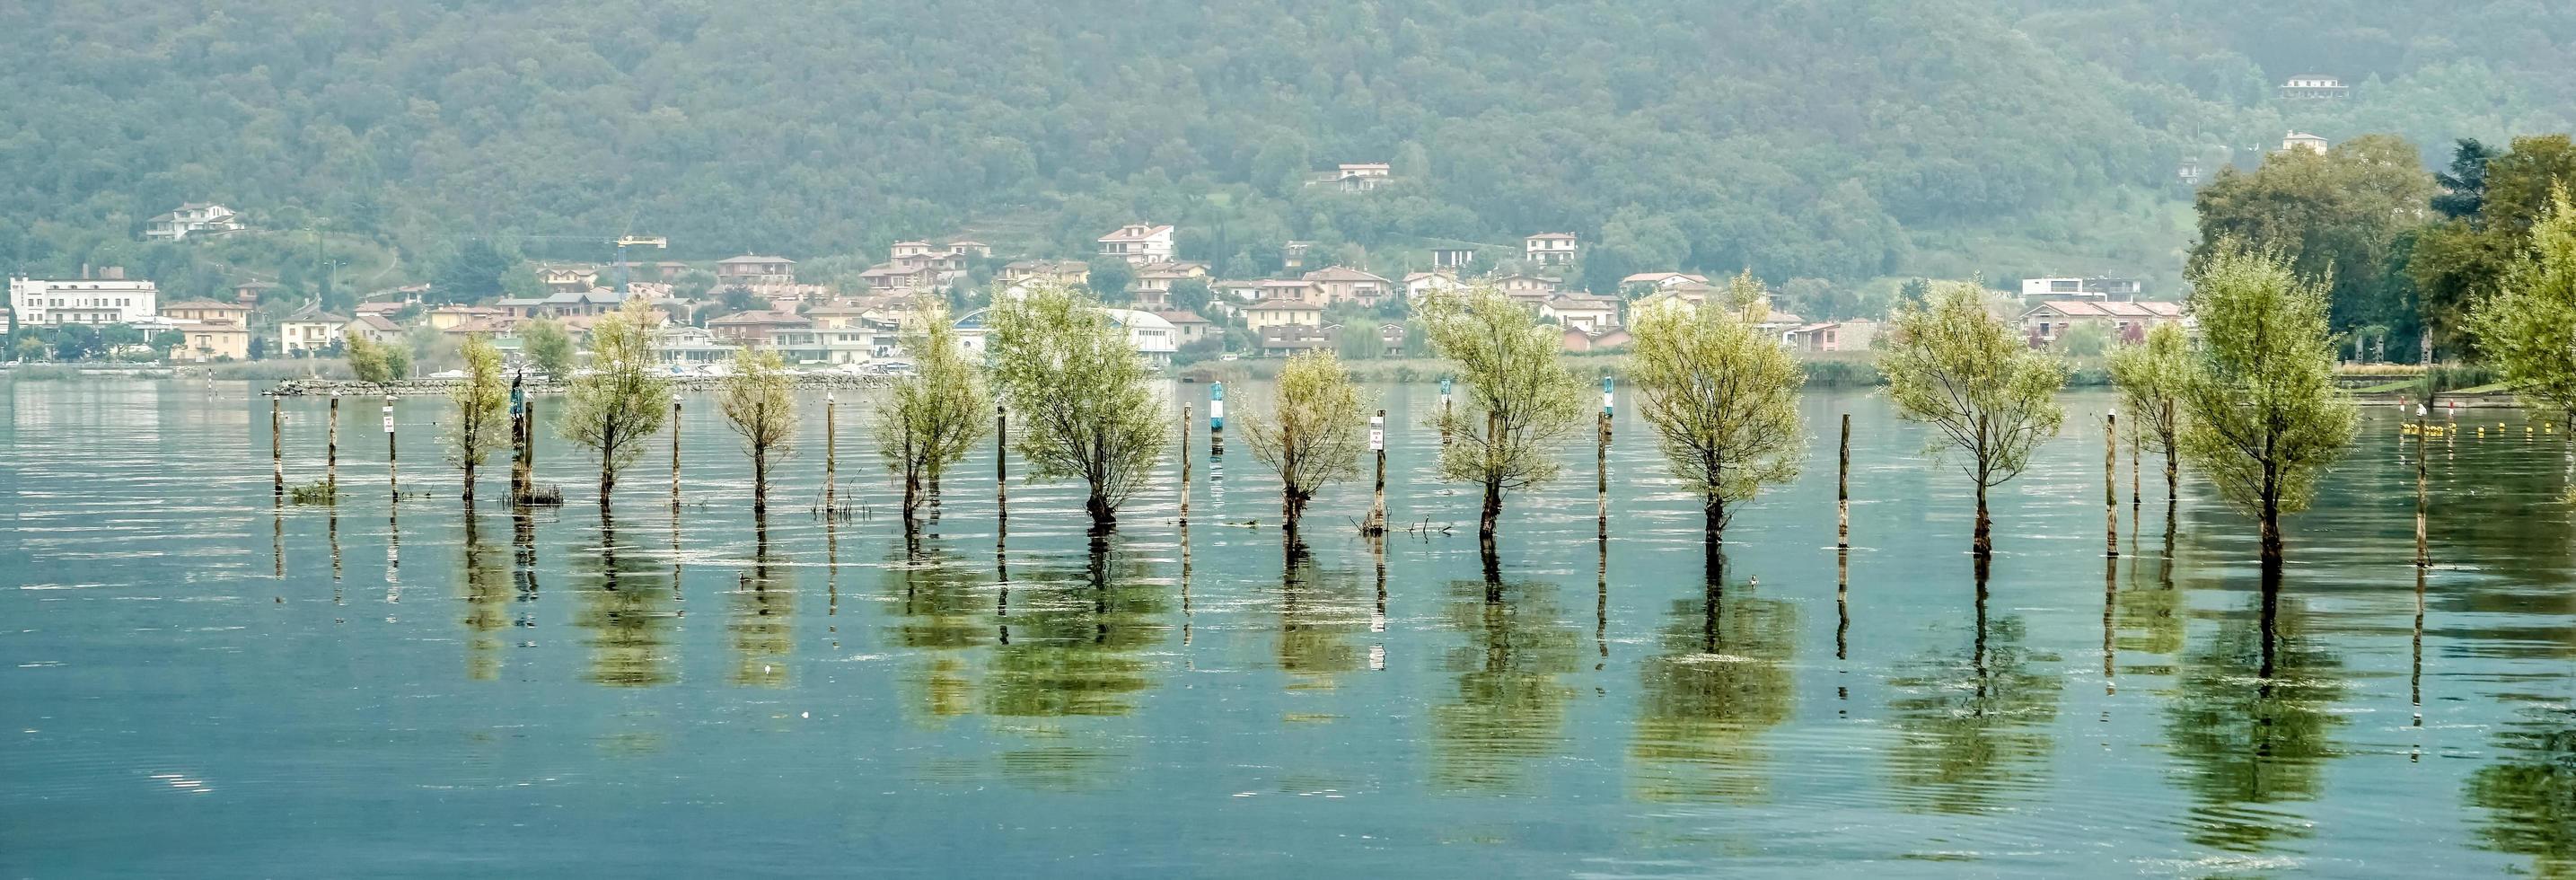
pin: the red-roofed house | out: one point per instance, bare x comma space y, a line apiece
2125, 322
1549, 248
1139, 243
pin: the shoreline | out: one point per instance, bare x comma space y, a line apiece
438, 387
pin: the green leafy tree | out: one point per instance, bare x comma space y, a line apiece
2347, 215
469, 274
929, 420
1109, 279
482, 410
1082, 393
2464, 186
2152, 377
2086, 340
2457, 263
758, 401
369, 360
2266, 418
547, 345
624, 400
1722, 397
1952, 364
1313, 433
2527, 327
1520, 406
1191, 295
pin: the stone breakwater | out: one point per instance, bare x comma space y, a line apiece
440, 387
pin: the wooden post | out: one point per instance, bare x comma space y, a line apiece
1444, 412
2137, 451
1842, 491
675, 455
2423, 500
1601, 465
831, 454
2111, 483
277, 448
528, 447
1185, 467
1376, 524
1001, 476
393, 481
331, 447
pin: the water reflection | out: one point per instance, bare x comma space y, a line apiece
1075, 641
1720, 681
1318, 613
1975, 724
627, 611
486, 581
760, 621
939, 612
2530, 793
2248, 722
1509, 708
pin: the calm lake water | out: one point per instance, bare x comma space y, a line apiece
194, 682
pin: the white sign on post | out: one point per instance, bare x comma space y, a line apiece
389, 424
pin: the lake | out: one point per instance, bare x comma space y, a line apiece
198, 682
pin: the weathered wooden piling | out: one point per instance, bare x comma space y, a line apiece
831, 454
1842, 491
675, 455
1444, 411
2423, 501
1001, 476
277, 449
1185, 467
2111, 483
331, 447
1601, 465
528, 448
1376, 524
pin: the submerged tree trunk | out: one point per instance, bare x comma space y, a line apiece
911, 499
1104, 518
1292, 508
2272, 516
607, 484
1984, 547
759, 482
1713, 508
1493, 510
469, 477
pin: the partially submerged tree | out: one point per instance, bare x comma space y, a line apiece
548, 347
1952, 364
759, 403
2266, 418
2152, 377
1082, 392
2527, 327
625, 398
482, 410
1521, 404
927, 421
1722, 397
1314, 433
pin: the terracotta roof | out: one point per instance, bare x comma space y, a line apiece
206, 304
377, 322
1149, 232
754, 258
1284, 305
1342, 273
761, 317
1182, 317
2136, 309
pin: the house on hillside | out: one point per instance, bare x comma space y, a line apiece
1575, 340
1644, 283
1292, 255
1356, 176
1832, 336
101, 296
755, 328
211, 340
1060, 271
568, 278
207, 310
1297, 289
1591, 314
755, 269
2123, 322
1549, 248
2300, 140
1283, 340
372, 328
1282, 312
1154, 281
1235, 290
1528, 290
310, 330
1421, 284
2099, 288
1188, 327
1139, 243
2314, 87
193, 218
1337, 284
1452, 257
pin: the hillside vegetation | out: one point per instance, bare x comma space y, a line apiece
1832, 139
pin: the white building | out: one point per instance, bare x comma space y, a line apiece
2314, 86
193, 218
1139, 243
107, 299
310, 329
2300, 140
2098, 289
1549, 248
1153, 337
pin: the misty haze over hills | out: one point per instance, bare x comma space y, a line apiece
1837, 139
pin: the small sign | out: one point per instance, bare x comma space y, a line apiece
1377, 439
389, 424
1605, 395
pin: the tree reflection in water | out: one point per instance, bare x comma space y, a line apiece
1719, 683
1318, 612
1510, 707
626, 608
1974, 726
2530, 792
941, 611
488, 592
2249, 720
763, 606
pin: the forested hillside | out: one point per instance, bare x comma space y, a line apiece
1836, 139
